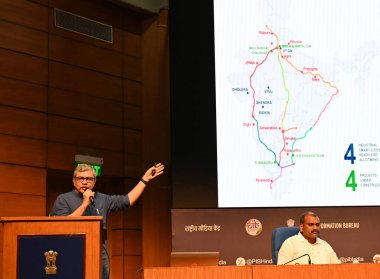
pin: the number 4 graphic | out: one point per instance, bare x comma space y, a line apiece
351, 182
350, 154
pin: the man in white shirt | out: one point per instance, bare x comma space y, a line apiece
306, 247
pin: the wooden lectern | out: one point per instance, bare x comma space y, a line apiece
52, 247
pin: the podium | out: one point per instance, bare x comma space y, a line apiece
52, 247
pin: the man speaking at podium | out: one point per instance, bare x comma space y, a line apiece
82, 201
306, 247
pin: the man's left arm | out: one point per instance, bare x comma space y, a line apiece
332, 255
334, 258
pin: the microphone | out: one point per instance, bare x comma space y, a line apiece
92, 201
309, 261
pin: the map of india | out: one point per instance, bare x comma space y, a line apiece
281, 106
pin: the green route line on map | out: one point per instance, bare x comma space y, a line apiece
258, 135
297, 139
285, 86
286, 103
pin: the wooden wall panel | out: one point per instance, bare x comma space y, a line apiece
1, 257
23, 81
23, 39
31, 205
132, 44
117, 269
129, 183
25, 13
22, 151
133, 267
58, 182
22, 94
43, 2
1, 244
128, 219
76, 79
156, 210
22, 180
133, 166
132, 68
78, 132
156, 105
132, 141
117, 243
85, 55
113, 162
115, 220
132, 242
1, 249
132, 218
23, 67
117, 37
61, 156
132, 117
111, 185
132, 92
66, 103
84, 133
24, 123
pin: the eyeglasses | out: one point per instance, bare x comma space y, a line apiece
87, 179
